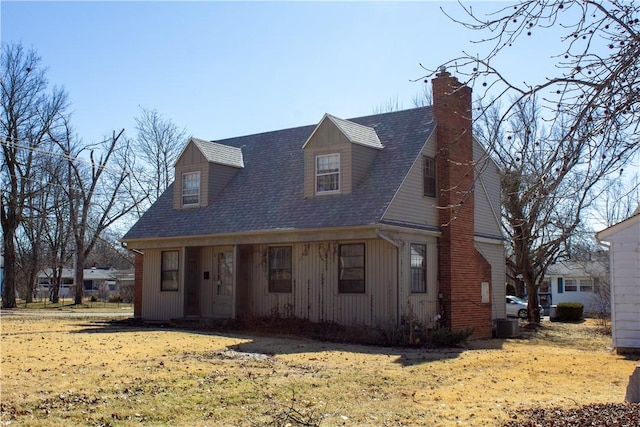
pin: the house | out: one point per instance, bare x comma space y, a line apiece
98, 282
624, 267
585, 282
369, 221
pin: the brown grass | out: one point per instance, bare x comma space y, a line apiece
71, 371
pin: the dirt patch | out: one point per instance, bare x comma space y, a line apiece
68, 371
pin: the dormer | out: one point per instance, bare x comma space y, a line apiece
202, 171
337, 156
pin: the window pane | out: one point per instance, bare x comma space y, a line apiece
191, 188
418, 268
169, 273
570, 285
280, 275
225, 273
429, 175
351, 270
328, 173
586, 285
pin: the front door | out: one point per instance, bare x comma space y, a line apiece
223, 283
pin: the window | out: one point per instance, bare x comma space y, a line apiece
586, 285
169, 271
418, 268
328, 173
190, 189
545, 287
429, 176
280, 269
225, 273
570, 285
351, 269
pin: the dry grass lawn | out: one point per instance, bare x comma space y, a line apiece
58, 371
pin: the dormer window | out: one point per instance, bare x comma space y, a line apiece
191, 189
328, 173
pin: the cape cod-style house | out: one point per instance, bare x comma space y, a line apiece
366, 221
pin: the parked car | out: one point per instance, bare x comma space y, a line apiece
517, 307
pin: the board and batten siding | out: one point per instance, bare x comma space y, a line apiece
486, 194
409, 205
161, 305
421, 307
494, 254
315, 293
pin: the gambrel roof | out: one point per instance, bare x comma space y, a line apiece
267, 194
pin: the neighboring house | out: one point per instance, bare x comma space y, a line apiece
338, 221
97, 281
576, 281
624, 267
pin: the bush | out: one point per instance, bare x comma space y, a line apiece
443, 337
569, 311
116, 298
94, 298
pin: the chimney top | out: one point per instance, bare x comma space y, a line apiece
442, 72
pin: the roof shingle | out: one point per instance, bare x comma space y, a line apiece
268, 193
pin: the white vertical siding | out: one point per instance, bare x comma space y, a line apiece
625, 292
160, 305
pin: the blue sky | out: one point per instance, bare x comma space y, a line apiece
223, 69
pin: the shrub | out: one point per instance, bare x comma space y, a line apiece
116, 298
443, 337
94, 298
569, 311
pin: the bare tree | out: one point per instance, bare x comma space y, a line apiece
590, 110
158, 143
29, 115
617, 201
100, 193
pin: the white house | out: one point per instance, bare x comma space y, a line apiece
576, 281
96, 282
624, 261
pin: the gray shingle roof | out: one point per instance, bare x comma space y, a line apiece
219, 153
268, 193
358, 134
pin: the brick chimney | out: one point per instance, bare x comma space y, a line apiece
462, 269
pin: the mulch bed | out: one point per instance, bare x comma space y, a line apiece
599, 414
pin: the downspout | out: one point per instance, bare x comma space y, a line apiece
397, 246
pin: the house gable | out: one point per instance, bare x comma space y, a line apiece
216, 164
355, 145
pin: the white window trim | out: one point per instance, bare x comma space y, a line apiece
324, 174
199, 189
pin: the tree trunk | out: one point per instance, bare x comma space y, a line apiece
9, 278
79, 275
